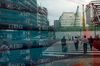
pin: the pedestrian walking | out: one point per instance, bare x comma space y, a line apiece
76, 43
85, 42
63, 43
90, 42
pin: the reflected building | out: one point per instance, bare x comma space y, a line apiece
13, 12
17, 14
91, 12
23, 14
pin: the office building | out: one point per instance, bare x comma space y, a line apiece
68, 19
42, 17
56, 24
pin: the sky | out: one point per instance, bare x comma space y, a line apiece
57, 7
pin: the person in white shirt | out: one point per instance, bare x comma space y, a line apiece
85, 42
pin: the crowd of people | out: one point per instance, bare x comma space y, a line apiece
76, 41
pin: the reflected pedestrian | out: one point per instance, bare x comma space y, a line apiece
90, 42
76, 43
97, 37
63, 43
85, 42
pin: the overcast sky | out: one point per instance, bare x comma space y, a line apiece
57, 7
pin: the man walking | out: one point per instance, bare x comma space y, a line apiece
63, 43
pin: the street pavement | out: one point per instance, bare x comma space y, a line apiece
56, 49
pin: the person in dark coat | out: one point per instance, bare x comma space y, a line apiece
90, 42
63, 43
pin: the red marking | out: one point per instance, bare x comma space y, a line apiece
79, 64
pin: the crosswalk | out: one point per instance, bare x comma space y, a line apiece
56, 50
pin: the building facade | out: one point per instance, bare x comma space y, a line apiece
56, 24
42, 17
68, 19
